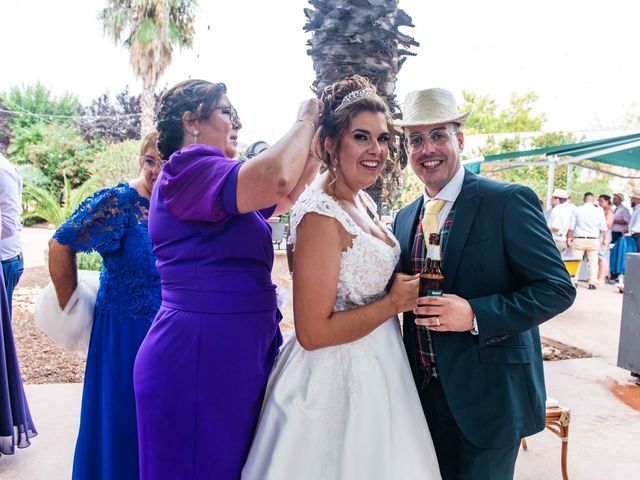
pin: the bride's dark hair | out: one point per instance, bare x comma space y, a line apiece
341, 104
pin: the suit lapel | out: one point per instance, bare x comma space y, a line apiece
408, 233
466, 207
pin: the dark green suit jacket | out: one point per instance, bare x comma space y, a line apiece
500, 256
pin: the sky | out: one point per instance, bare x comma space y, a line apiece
577, 55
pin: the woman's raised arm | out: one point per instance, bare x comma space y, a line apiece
270, 177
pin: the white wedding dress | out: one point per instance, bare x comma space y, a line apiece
351, 411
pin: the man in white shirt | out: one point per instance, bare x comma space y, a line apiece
560, 217
621, 217
587, 233
10, 225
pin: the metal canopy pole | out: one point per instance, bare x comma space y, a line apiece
552, 160
569, 176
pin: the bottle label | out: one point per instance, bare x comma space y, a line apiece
434, 293
433, 252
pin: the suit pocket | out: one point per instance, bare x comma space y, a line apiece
506, 354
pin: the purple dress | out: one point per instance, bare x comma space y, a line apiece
16, 426
201, 371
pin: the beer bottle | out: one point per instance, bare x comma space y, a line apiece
431, 277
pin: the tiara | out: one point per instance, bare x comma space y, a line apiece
355, 95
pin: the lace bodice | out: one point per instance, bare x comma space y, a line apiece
113, 222
366, 266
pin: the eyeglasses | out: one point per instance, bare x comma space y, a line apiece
150, 163
231, 113
439, 138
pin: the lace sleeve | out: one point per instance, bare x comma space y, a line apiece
99, 221
317, 201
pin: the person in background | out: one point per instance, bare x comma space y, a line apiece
587, 234
560, 217
11, 210
112, 222
621, 217
201, 372
604, 201
16, 425
634, 221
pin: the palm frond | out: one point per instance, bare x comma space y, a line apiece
49, 206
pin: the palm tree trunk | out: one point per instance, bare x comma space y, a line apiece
359, 37
147, 108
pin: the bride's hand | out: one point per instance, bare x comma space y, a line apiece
404, 291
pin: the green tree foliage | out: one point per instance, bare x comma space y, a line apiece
117, 163
486, 117
89, 261
151, 29
56, 150
532, 176
35, 103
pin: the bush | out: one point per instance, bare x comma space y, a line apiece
57, 151
117, 163
32, 176
89, 261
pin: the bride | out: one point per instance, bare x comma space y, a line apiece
341, 403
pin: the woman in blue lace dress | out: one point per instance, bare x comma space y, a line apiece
112, 222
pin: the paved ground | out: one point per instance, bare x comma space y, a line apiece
605, 402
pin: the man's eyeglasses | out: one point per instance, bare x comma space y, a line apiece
149, 163
440, 137
231, 113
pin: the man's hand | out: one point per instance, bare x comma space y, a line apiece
447, 313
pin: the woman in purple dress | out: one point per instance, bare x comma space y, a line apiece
201, 372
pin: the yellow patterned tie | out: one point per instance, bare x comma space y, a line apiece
431, 218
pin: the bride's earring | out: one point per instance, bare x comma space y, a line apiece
334, 166
196, 134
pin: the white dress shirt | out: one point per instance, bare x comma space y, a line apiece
588, 221
560, 218
634, 222
621, 213
449, 194
10, 209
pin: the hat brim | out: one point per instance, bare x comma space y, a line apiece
414, 122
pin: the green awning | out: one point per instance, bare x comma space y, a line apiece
623, 151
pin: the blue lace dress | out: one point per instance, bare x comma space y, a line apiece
113, 222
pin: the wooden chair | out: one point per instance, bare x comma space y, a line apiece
558, 418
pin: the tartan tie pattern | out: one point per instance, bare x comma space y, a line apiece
426, 354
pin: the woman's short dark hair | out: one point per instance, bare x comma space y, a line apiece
337, 117
605, 197
199, 97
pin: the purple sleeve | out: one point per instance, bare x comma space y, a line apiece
267, 212
201, 188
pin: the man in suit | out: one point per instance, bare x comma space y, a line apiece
476, 357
